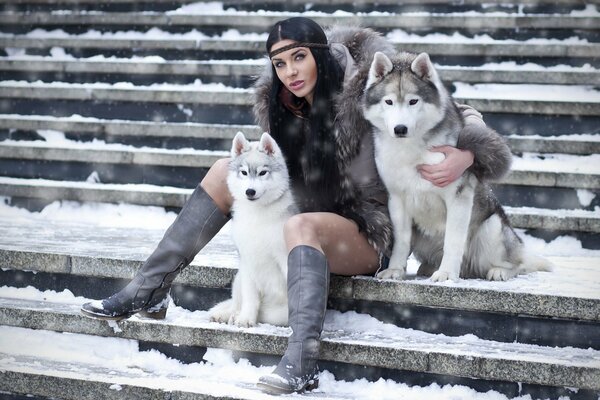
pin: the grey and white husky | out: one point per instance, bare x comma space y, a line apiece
458, 230
262, 202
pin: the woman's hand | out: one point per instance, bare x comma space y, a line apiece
454, 165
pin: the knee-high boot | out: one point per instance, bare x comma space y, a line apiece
308, 286
197, 223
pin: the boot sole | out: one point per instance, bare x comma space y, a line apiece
277, 391
158, 315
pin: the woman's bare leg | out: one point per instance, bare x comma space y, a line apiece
347, 250
215, 185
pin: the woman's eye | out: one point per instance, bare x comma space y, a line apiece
389, 102
278, 64
413, 102
300, 57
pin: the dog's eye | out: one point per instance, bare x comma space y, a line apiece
389, 102
262, 173
413, 102
245, 173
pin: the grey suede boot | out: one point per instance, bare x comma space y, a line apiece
197, 223
308, 286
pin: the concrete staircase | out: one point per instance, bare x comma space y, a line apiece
144, 96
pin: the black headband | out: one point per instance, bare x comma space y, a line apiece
298, 44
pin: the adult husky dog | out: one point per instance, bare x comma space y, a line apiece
459, 230
262, 201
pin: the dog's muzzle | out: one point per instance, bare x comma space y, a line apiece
400, 130
250, 193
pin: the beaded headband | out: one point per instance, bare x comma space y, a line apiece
298, 44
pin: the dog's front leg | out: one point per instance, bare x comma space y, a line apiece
402, 224
459, 205
248, 301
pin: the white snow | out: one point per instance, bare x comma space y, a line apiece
57, 139
555, 162
217, 373
219, 369
585, 197
542, 93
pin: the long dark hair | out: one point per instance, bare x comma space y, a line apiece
312, 159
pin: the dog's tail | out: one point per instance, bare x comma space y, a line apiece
532, 263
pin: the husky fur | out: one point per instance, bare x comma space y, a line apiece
262, 202
459, 230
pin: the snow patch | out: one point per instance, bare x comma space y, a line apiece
585, 197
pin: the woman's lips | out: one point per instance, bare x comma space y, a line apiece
296, 85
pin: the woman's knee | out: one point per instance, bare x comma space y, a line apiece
301, 228
215, 184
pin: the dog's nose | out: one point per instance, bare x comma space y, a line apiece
250, 193
400, 130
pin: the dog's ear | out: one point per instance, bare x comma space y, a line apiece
380, 67
423, 67
239, 145
268, 144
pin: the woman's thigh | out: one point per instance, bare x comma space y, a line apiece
347, 250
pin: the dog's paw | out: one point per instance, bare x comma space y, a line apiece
242, 321
391, 273
220, 313
442, 276
499, 274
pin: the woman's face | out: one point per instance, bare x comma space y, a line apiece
296, 69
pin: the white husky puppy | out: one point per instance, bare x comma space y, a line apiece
262, 201
457, 230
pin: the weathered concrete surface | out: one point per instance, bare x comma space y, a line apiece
415, 351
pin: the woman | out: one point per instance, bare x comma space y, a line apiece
343, 227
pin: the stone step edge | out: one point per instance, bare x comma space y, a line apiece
568, 50
582, 179
227, 68
187, 94
526, 218
113, 127
510, 361
422, 293
55, 379
265, 20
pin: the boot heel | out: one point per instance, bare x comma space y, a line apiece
312, 385
154, 314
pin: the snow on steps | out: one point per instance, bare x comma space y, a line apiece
227, 68
582, 172
572, 291
567, 144
115, 127
583, 102
496, 48
464, 356
265, 19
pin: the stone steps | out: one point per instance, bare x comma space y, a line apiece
77, 380
465, 357
497, 48
263, 20
567, 144
142, 194
584, 177
228, 68
61, 247
218, 95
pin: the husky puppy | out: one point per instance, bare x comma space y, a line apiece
262, 201
459, 230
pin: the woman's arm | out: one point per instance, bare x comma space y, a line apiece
479, 147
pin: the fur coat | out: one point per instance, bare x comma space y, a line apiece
366, 198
